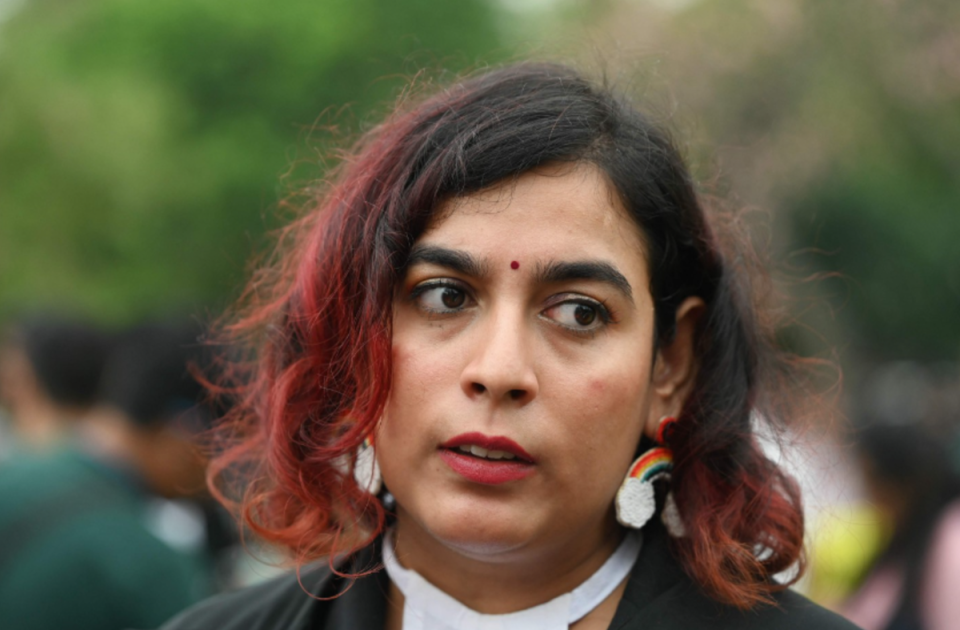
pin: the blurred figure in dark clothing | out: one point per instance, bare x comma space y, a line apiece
50, 370
911, 477
80, 545
149, 412
148, 421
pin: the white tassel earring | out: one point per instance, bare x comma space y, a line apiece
366, 470
636, 501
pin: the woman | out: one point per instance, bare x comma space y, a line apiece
509, 293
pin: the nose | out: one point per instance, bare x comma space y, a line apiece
500, 366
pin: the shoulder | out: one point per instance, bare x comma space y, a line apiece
26, 480
686, 607
660, 595
803, 613
283, 602
81, 537
353, 596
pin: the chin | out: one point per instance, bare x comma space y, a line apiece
479, 532
482, 546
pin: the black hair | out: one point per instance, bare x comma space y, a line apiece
148, 375
66, 354
319, 321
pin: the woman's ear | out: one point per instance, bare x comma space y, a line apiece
675, 368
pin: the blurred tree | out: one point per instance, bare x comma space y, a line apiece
843, 119
142, 144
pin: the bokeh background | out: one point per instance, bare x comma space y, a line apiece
147, 149
144, 147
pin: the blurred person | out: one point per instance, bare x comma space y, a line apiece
914, 581
79, 543
148, 413
50, 369
147, 423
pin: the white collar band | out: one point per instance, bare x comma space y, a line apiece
428, 608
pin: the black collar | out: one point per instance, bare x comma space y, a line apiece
658, 595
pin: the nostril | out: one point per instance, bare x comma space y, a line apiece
478, 388
517, 394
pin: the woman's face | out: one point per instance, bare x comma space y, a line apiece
523, 332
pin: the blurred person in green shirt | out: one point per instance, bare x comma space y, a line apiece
80, 545
50, 368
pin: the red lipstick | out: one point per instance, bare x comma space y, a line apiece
491, 443
484, 470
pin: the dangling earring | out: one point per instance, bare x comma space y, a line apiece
366, 470
671, 519
636, 501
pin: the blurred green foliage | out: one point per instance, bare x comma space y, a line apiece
842, 121
142, 144
884, 206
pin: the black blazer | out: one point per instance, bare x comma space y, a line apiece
659, 595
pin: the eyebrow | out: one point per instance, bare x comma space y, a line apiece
550, 273
454, 259
595, 270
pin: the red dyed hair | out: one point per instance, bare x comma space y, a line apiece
317, 324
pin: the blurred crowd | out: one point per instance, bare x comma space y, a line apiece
888, 556
104, 517
105, 520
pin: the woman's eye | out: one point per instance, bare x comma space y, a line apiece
579, 315
440, 298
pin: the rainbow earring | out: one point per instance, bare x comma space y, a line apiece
636, 501
366, 470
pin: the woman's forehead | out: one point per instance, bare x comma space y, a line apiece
554, 212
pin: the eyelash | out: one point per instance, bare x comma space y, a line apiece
419, 290
603, 312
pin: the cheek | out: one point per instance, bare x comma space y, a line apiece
625, 386
404, 363
597, 387
418, 375
608, 389
420, 381
617, 389
608, 413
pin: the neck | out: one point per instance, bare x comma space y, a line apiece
43, 424
506, 582
105, 434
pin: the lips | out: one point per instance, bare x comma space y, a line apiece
488, 444
488, 460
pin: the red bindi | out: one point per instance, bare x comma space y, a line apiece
514, 265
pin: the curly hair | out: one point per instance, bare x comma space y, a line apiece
317, 323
